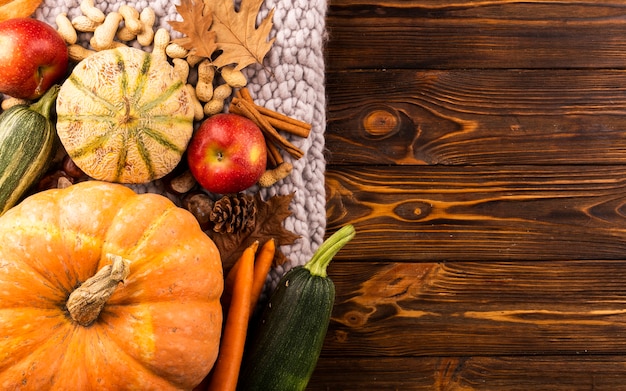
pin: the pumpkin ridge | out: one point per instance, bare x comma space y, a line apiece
48, 284
164, 96
121, 158
142, 77
86, 90
139, 361
84, 239
176, 119
144, 361
124, 79
87, 118
154, 225
91, 147
109, 309
45, 280
124, 356
162, 139
144, 153
48, 280
45, 336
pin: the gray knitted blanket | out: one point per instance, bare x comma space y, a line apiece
294, 87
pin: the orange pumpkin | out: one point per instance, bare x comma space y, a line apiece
146, 263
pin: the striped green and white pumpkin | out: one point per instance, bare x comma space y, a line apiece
27, 146
123, 115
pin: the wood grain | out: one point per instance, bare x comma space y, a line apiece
479, 148
478, 309
406, 213
513, 373
502, 117
476, 34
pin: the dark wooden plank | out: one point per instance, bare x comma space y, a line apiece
424, 213
545, 373
479, 148
475, 34
498, 117
593, 7
477, 309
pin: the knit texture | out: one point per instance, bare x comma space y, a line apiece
290, 81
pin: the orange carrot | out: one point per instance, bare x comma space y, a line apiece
262, 266
231, 277
226, 370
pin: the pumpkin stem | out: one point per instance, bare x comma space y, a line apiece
86, 301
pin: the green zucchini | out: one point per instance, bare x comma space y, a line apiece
27, 142
283, 353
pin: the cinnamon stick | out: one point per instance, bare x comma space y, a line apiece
276, 119
273, 154
285, 123
244, 93
247, 109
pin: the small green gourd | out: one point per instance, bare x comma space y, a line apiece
27, 143
283, 353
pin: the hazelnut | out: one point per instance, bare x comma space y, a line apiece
200, 205
54, 180
181, 183
71, 169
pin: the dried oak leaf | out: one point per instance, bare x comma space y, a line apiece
269, 224
239, 39
196, 24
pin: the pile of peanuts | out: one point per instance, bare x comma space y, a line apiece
126, 25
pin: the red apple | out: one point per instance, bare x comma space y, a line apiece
227, 154
33, 57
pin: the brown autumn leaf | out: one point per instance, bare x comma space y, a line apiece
269, 224
197, 20
239, 39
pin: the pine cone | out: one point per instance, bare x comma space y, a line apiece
233, 213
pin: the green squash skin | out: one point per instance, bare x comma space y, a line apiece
27, 143
285, 349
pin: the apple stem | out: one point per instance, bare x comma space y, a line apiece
39, 87
44, 105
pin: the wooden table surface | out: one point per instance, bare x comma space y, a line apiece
479, 149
